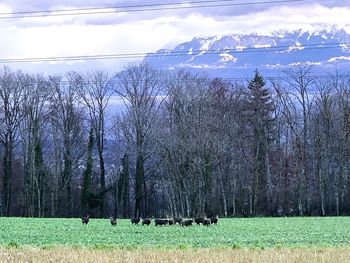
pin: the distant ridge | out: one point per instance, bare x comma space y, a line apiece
327, 48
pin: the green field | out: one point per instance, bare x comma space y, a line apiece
229, 233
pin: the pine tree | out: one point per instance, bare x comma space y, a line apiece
259, 113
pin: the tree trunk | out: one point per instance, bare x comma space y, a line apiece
102, 178
7, 162
233, 186
269, 194
223, 195
321, 192
139, 175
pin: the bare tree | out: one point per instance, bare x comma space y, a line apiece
66, 121
184, 144
340, 84
32, 128
297, 102
96, 94
140, 88
11, 90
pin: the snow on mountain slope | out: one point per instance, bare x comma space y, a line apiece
327, 48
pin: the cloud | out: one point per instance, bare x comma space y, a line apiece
231, 9
145, 32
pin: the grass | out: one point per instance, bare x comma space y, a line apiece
261, 233
285, 255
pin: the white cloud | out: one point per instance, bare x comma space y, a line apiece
119, 33
227, 58
335, 59
5, 8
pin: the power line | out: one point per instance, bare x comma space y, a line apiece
235, 79
136, 8
113, 7
193, 80
170, 54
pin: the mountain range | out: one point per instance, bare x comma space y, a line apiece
328, 49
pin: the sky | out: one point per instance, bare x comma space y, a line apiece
147, 31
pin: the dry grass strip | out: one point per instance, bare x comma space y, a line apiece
285, 255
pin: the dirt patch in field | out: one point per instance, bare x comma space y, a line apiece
174, 255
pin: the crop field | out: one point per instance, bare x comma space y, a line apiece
231, 233
314, 238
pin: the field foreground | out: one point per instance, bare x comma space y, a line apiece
308, 239
175, 255
309, 232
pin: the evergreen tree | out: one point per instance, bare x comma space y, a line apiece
85, 190
259, 113
123, 186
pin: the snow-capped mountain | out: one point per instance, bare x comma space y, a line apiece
327, 49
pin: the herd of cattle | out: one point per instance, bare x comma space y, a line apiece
163, 222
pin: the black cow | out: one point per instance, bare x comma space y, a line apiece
188, 222
135, 221
199, 220
171, 222
85, 220
178, 220
113, 221
206, 222
214, 220
146, 221
161, 222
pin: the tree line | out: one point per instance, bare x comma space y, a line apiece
147, 142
